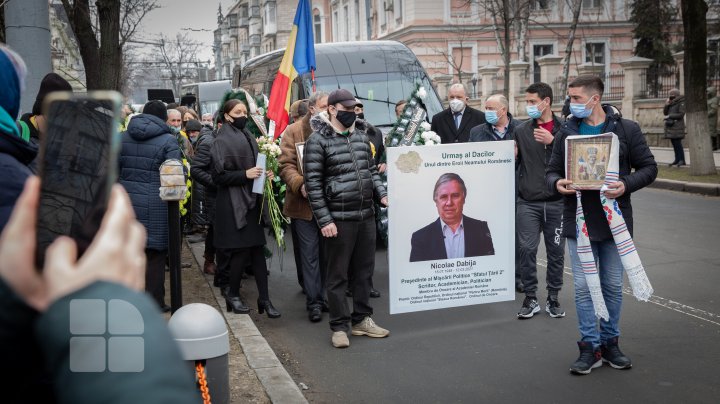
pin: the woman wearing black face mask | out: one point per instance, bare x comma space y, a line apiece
237, 209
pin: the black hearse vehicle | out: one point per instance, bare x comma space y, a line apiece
379, 73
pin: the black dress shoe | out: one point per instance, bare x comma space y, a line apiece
315, 314
680, 164
266, 305
374, 293
234, 304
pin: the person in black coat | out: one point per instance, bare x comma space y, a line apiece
201, 172
452, 235
145, 146
453, 125
637, 168
237, 226
342, 183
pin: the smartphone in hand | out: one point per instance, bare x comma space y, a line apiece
77, 166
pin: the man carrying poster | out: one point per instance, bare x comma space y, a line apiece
452, 235
598, 224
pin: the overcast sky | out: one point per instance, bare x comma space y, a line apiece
177, 16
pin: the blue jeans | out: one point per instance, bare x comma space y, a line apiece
610, 270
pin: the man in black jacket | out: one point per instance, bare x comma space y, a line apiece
499, 123
341, 181
453, 124
599, 344
538, 208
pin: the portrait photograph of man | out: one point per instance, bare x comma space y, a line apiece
452, 235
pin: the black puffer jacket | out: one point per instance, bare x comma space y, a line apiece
201, 170
634, 154
340, 175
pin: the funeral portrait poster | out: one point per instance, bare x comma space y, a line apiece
451, 225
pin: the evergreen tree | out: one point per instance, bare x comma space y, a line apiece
652, 19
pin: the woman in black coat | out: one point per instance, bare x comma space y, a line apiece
674, 111
237, 225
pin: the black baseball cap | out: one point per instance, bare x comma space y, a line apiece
344, 97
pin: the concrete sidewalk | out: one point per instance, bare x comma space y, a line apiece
664, 156
273, 376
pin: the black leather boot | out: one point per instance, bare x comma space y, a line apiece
234, 304
266, 305
612, 354
589, 359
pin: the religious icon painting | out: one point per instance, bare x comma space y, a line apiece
586, 160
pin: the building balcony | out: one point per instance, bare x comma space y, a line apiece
244, 48
255, 11
255, 40
270, 29
233, 32
243, 22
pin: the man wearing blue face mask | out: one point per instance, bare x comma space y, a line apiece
500, 125
539, 209
637, 169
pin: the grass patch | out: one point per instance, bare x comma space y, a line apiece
683, 174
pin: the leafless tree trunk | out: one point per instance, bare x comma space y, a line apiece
575, 7
502, 22
695, 70
101, 30
522, 8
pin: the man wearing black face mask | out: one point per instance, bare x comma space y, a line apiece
341, 181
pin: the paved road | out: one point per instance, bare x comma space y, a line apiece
484, 354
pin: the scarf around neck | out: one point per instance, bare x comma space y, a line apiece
629, 257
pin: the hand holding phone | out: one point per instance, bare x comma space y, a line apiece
77, 166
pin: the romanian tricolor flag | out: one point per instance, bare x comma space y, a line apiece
299, 58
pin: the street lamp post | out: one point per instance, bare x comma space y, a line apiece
474, 81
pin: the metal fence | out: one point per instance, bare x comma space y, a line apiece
614, 88
559, 92
657, 82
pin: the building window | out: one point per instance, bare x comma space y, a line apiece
541, 5
357, 20
591, 4
461, 9
335, 25
538, 52
317, 26
595, 53
382, 14
398, 10
346, 25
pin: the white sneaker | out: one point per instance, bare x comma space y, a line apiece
369, 328
340, 339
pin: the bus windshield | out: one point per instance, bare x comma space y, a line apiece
379, 92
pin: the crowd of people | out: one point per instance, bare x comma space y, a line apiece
332, 193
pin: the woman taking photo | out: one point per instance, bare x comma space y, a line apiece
237, 225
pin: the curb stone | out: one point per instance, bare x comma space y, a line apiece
273, 376
691, 187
